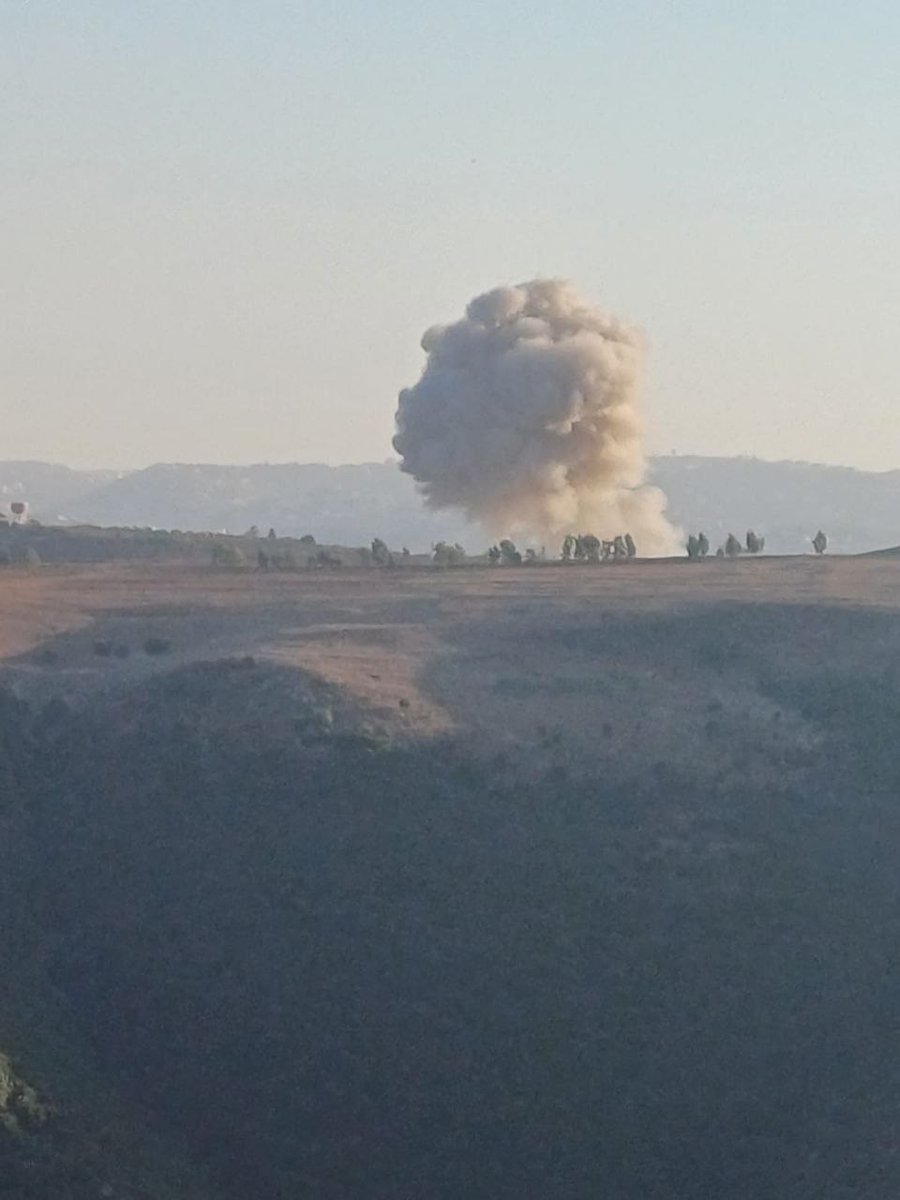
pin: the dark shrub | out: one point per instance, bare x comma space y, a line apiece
157, 645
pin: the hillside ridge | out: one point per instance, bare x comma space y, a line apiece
784, 501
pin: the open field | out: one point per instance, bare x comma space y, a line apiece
585, 662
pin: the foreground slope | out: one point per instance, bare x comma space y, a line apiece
553, 883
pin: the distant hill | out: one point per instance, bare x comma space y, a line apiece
344, 505
785, 501
51, 490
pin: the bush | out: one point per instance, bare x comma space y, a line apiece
226, 554
381, 555
157, 645
446, 555
325, 559
591, 547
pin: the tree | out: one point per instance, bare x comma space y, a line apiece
568, 548
307, 540
693, 547
620, 550
630, 547
494, 555
509, 555
324, 559
226, 554
272, 534
381, 556
732, 546
820, 543
531, 555
445, 555
252, 532
754, 543
702, 544
591, 547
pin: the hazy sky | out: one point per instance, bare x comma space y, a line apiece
226, 223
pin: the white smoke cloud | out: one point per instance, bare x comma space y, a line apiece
527, 417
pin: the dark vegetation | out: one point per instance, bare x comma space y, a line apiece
340, 967
33, 544
157, 645
698, 545
581, 548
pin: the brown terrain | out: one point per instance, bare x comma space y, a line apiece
639, 815
590, 662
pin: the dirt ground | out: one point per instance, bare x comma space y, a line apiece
593, 664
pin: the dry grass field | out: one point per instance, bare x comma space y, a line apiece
601, 665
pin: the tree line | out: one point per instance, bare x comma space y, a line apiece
698, 545
575, 548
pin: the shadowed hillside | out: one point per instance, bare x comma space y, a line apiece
330, 962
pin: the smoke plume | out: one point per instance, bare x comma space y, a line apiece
527, 417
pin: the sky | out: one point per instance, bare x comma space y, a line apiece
225, 224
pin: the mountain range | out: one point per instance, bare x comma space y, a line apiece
784, 501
